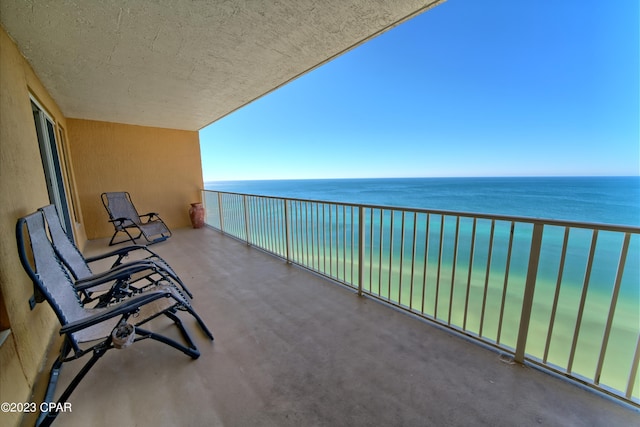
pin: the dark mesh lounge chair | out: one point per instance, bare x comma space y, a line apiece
94, 330
153, 266
124, 216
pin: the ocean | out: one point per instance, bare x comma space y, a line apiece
610, 200
461, 284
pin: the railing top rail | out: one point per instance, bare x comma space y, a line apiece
497, 217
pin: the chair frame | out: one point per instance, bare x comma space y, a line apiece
78, 265
50, 276
123, 224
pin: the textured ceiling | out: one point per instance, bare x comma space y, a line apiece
184, 64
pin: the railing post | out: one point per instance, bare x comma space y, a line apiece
529, 288
220, 211
360, 249
246, 218
287, 229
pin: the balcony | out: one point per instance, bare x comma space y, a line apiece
558, 294
294, 348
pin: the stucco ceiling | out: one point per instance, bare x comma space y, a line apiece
184, 64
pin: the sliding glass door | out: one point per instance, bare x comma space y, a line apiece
45, 127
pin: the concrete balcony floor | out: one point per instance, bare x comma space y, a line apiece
293, 349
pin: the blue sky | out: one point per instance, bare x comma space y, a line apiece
469, 88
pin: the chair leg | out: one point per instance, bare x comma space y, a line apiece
46, 418
191, 351
113, 237
111, 243
53, 377
200, 322
133, 239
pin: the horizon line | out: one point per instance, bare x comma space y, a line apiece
424, 177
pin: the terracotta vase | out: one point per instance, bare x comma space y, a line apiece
196, 214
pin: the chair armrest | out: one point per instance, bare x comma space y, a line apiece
122, 252
121, 272
119, 220
126, 307
150, 216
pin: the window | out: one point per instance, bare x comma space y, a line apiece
45, 128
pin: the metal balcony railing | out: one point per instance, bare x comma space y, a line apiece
560, 295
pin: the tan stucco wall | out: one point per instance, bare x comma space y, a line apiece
159, 167
22, 190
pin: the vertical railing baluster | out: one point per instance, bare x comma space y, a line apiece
264, 231
505, 283
313, 237
318, 223
268, 232
426, 261
233, 212
220, 212
361, 227
331, 228
306, 233
300, 230
344, 243
468, 291
275, 215
453, 268
337, 232
246, 219
583, 299
486, 276
249, 219
299, 238
353, 231
303, 232
391, 229
235, 218
633, 372
414, 244
371, 240
435, 310
324, 241
556, 295
255, 208
281, 232
402, 229
269, 224
529, 287
299, 234
254, 211
228, 213
612, 307
261, 229
287, 230
337, 228
380, 256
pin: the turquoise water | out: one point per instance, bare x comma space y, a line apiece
611, 200
460, 284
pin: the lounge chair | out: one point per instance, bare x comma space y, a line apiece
124, 216
100, 329
78, 265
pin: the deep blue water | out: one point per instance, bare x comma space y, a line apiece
612, 200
